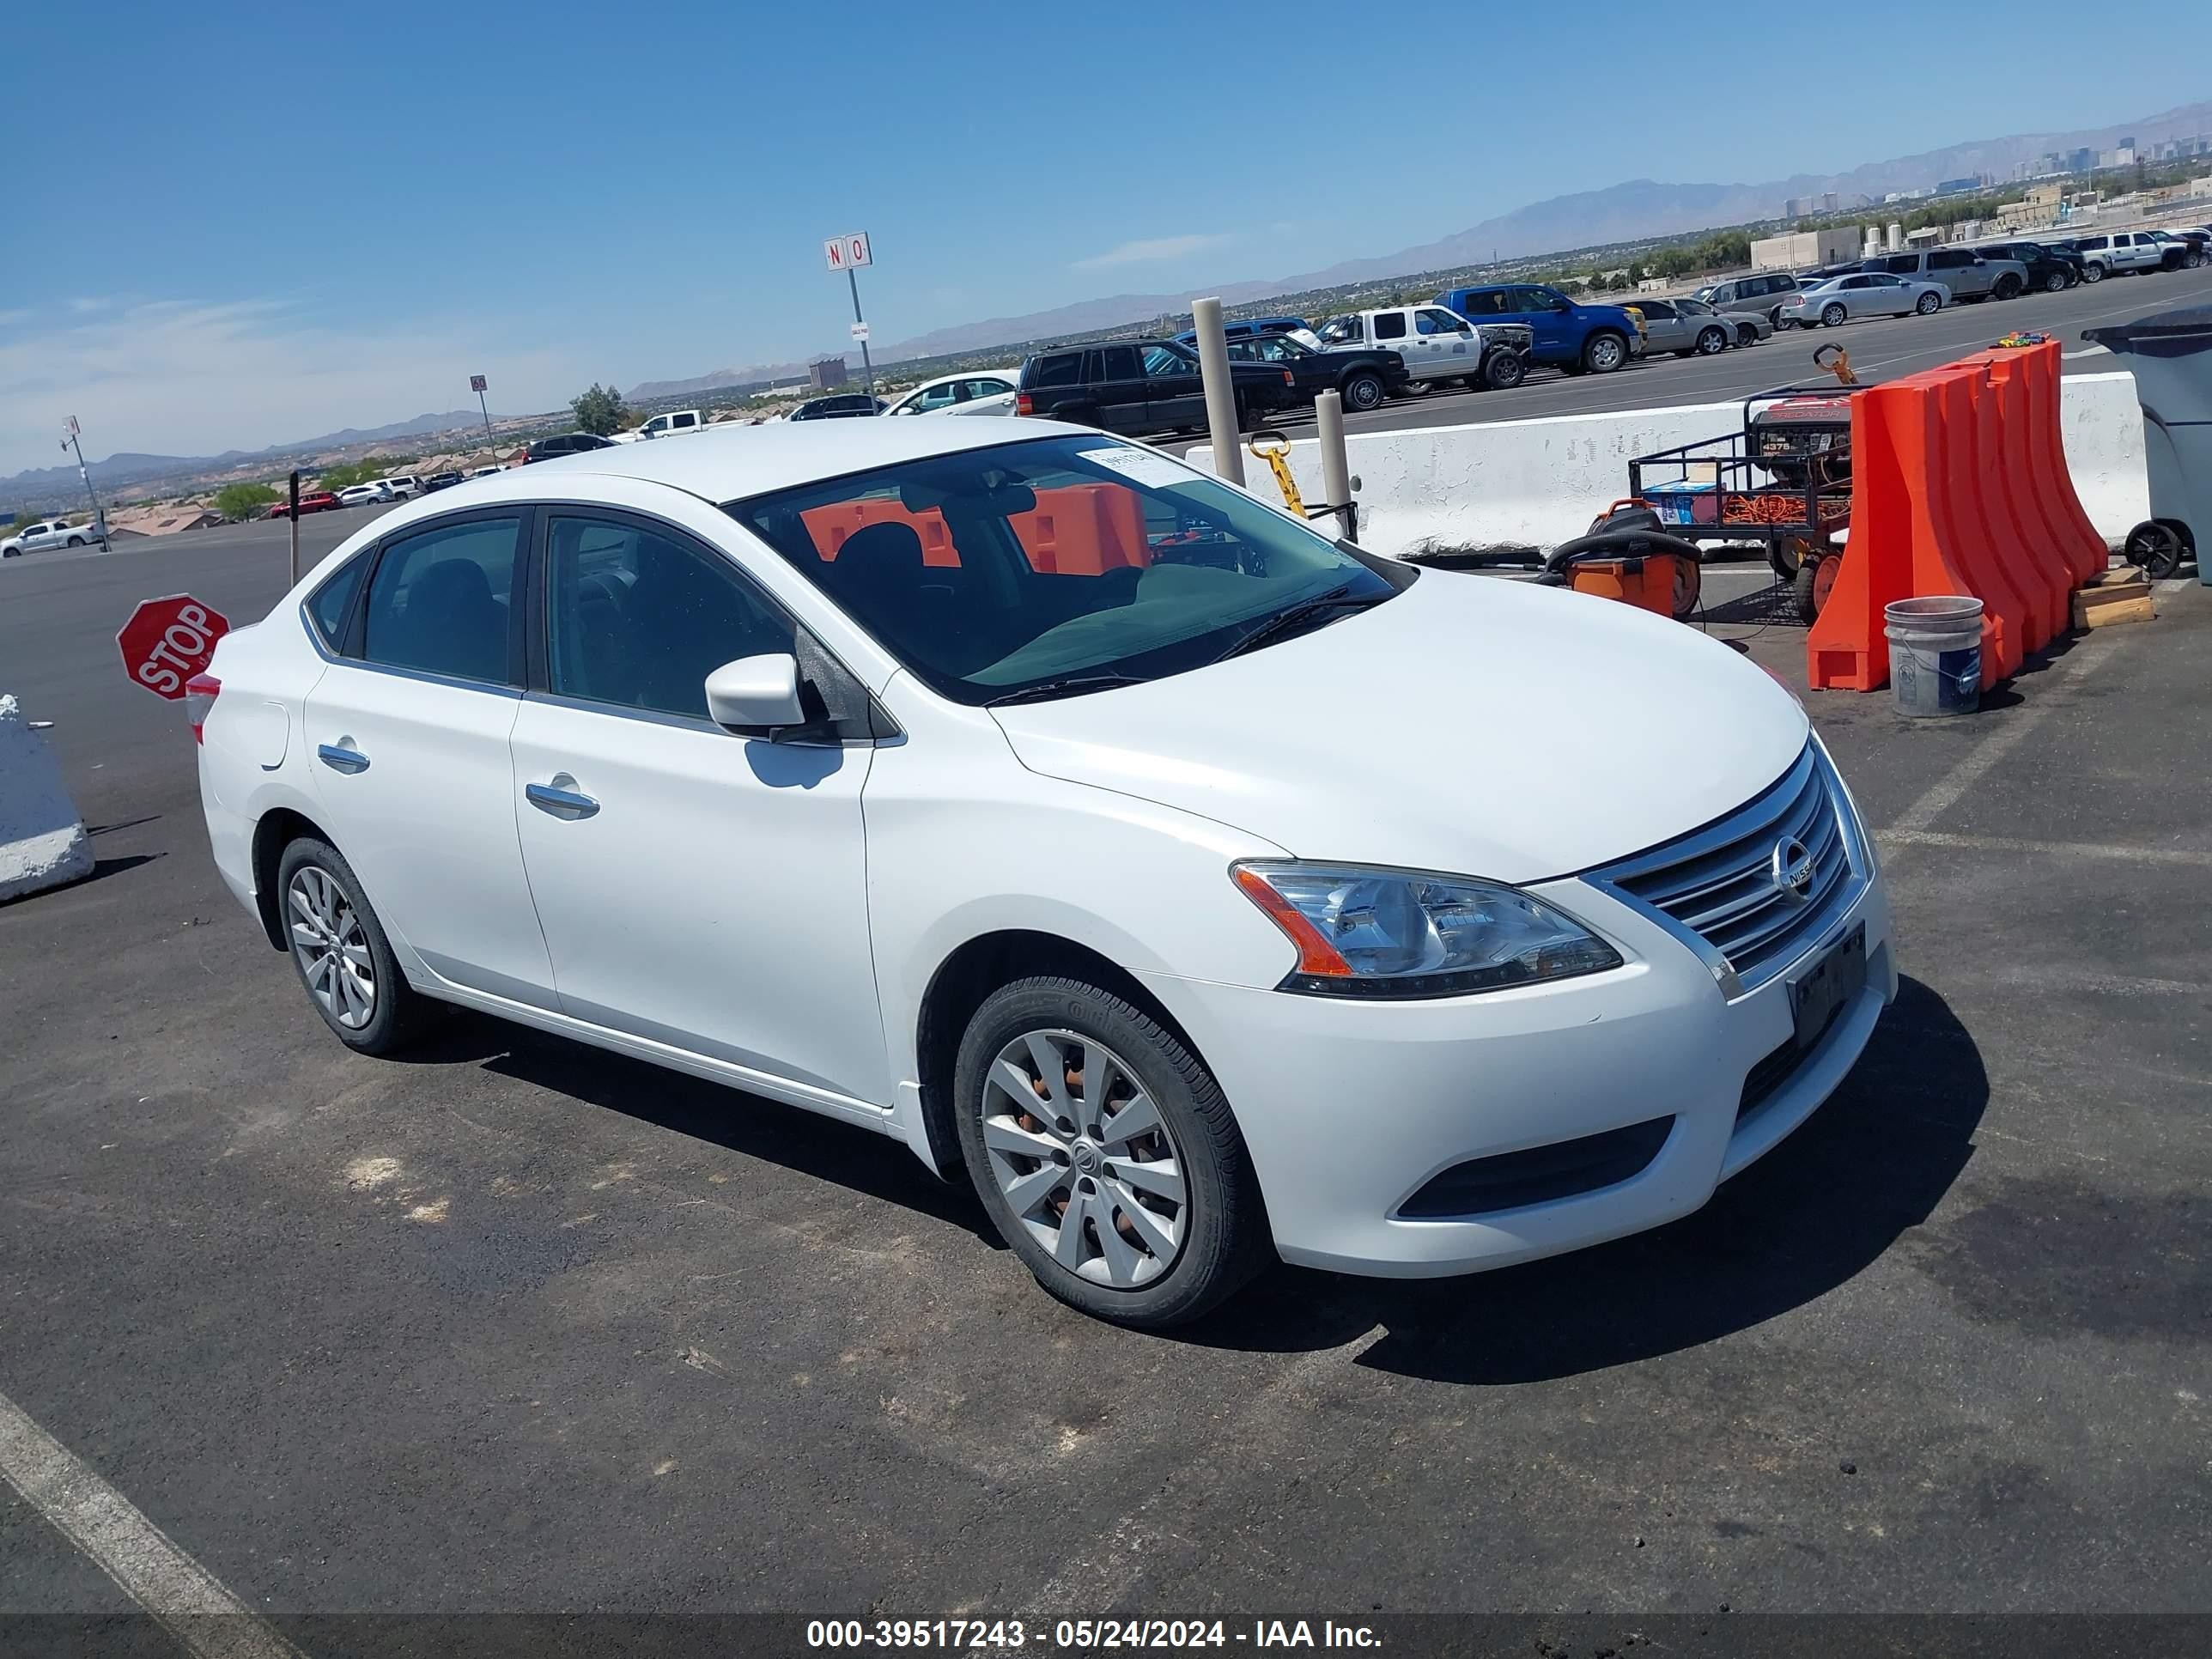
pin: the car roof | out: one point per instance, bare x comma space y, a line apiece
730, 462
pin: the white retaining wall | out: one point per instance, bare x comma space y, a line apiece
1536, 483
42, 842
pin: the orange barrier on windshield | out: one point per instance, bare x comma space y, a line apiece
1077, 530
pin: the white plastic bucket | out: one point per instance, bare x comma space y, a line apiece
1934, 654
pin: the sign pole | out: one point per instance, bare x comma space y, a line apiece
294, 516
867, 365
478, 383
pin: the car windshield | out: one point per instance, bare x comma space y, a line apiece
1013, 568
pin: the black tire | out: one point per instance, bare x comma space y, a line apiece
1712, 340
1604, 352
74, 541
401, 1014
1809, 587
1363, 391
2158, 548
1929, 304
2093, 272
1504, 370
2009, 287
1746, 336
2056, 283
1781, 558
1689, 589
1832, 315
1775, 316
1225, 1228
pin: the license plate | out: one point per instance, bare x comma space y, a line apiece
1823, 990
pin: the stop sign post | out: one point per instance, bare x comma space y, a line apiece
167, 641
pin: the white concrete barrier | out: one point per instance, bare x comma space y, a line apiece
1536, 483
42, 841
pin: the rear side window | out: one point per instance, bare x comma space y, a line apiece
332, 603
440, 601
1065, 368
1117, 363
1390, 325
638, 619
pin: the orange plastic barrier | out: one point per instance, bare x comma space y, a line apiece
2067, 526
1078, 530
1959, 485
1846, 650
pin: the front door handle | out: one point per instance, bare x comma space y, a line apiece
560, 798
339, 758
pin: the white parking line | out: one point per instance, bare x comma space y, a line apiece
1944, 793
2076, 849
183, 1597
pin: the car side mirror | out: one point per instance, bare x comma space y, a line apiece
756, 696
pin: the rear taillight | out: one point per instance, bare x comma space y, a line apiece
1023, 404
200, 693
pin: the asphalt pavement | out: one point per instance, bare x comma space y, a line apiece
512, 1327
1880, 349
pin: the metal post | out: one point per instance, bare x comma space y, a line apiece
488, 439
1220, 390
1336, 463
294, 516
867, 365
99, 518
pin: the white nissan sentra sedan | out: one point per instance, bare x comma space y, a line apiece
1205, 889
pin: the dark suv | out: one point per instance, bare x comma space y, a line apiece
567, 443
839, 406
1364, 379
2048, 268
1131, 387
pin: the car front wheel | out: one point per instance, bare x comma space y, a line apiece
2054, 282
1105, 1153
1504, 370
1928, 304
1604, 353
343, 958
1712, 341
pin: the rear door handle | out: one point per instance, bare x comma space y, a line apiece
340, 759
560, 798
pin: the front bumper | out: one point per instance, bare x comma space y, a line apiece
1350, 1109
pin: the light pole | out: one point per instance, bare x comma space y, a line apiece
99, 518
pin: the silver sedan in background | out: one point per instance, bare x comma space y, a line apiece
1863, 294
1690, 327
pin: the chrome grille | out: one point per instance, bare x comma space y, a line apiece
1717, 885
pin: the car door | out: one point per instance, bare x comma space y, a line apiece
1115, 382
1663, 327
1546, 315
408, 732
696, 888
1175, 395
1449, 340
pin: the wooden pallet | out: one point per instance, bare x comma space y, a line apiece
2119, 594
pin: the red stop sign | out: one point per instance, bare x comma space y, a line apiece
167, 642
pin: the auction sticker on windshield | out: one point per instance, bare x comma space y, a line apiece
1139, 465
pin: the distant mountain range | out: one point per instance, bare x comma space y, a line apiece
125, 467
1638, 209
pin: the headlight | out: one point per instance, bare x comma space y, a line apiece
1366, 933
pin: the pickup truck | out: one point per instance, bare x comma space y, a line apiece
49, 533
1580, 339
1133, 387
1965, 272
1365, 379
663, 426
1439, 346
2135, 251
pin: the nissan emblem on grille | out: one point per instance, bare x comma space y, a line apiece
1792, 869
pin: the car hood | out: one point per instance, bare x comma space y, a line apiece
1473, 726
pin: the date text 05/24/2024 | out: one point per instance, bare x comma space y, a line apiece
1007, 1635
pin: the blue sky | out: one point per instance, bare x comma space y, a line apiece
270, 222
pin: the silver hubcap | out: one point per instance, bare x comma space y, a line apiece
1084, 1158
332, 948
1605, 356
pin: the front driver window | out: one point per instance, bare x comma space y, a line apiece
638, 619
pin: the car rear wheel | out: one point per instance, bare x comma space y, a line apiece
1105, 1154
1504, 370
1363, 391
1832, 314
344, 961
1603, 353
74, 541
2009, 287
1712, 341
1928, 304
